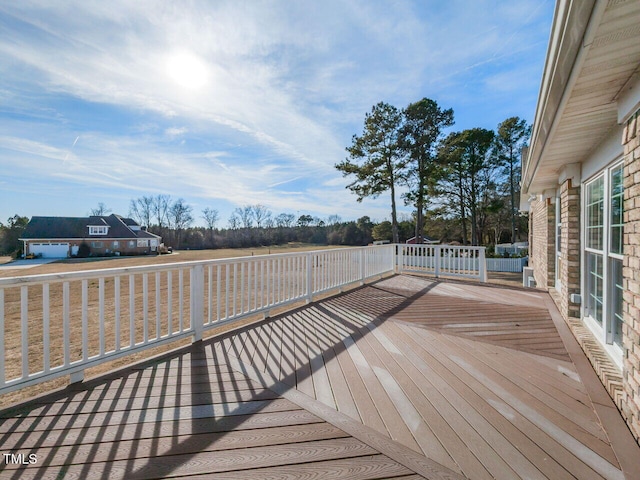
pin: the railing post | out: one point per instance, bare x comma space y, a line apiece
309, 277
482, 259
362, 266
437, 259
196, 295
76, 377
392, 253
399, 259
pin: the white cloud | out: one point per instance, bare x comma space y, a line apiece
175, 131
282, 86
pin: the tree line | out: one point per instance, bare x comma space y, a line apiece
469, 178
463, 187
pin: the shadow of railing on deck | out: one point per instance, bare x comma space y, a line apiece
128, 426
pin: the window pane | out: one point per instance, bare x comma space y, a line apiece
616, 301
595, 286
617, 207
595, 214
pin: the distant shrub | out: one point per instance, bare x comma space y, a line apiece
83, 250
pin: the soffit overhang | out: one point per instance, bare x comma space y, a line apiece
592, 60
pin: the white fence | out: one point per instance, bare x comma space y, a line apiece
447, 260
506, 264
62, 324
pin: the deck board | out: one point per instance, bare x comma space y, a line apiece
403, 378
530, 430
487, 411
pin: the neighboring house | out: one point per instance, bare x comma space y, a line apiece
60, 237
512, 248
425, 240
581, 180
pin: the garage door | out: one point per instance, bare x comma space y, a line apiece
50, 250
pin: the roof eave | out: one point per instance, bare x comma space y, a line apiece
573, 26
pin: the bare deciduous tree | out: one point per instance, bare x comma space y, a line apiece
161, 205
141, 210
100, 211
260, 214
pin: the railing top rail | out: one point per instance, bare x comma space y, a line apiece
116, 271
443, 245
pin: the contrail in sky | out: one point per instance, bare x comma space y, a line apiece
66, 157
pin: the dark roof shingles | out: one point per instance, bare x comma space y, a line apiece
77, 227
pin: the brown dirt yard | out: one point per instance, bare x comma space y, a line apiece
80, 264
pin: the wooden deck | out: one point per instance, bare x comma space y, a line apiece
404, 378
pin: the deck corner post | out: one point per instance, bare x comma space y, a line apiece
482, 267
362, 266
398, 257
392, 254
437, 253
197, 301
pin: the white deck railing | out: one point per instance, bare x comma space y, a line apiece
443, 260
62, 324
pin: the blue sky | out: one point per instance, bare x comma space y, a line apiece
229, 103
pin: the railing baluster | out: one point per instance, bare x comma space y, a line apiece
255, 285
145, 308
66, 338
226, 291
85, 320
218, 287
132, 311
287, 278
169, 303
242, 265
279, 279
116, 297
210, 294
158, 307
310, 272
299, 277
101, 338
180, 301
235, 287
24, 328
46, 316
268, 292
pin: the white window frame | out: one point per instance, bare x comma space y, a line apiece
98, 229
604, 332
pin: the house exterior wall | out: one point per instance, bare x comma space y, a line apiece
570, 248
631, 275
585, 147
542, 241
100, 247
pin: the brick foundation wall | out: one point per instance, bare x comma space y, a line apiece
542, 218
631, 276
